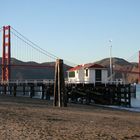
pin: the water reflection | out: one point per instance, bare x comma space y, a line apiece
136, 102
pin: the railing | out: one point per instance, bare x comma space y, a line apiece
96, 82
29, 81
51, 81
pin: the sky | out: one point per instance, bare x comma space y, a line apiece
77, 30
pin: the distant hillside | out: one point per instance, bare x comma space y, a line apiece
115, 61
119, 63
33, 72
48, 73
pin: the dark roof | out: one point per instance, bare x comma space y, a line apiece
86, 66
94, 66
75, 68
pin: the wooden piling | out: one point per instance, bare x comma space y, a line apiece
10, 89
15, 90
56, 85
31, 91
5, 89
24, 86
129, 96
59, 85
43, 90
47, 92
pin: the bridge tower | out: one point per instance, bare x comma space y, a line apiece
6, 53
139, 67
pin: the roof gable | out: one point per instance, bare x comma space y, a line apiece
75, 68
94, 66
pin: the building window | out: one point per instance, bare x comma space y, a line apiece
86, 72
72, 74
98, 75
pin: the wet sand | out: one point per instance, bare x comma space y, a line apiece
33, 119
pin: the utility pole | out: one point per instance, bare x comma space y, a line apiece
111, 69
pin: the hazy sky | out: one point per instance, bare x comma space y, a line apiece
77, 30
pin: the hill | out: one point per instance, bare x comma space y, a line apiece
48, 72
121, 64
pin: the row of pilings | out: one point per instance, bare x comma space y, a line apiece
44, 91
105, 94
119, 95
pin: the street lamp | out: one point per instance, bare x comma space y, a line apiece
110, 48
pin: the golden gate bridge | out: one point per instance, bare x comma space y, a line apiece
15, 45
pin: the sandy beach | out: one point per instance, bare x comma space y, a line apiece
33, 119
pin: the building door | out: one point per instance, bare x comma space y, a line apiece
98, 76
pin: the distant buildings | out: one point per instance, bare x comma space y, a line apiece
88, 73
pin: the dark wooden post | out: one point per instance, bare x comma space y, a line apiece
15, 89
24, 89
126, 92
129, 95
31, 91
47, 92
10, 89
56, 84
43, 90
59, 85
5, 89
121, 90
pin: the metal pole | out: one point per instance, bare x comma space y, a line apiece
110, 60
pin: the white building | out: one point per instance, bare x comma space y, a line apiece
88, 73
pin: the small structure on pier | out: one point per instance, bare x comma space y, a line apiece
88, 73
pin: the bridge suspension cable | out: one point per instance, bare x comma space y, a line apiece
33, 45
133, 57
18, 36
37, 47
41, 51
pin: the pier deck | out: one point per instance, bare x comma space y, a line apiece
108, 94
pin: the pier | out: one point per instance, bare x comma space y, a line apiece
106, 94
110, 94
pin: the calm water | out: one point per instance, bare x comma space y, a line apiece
136, 102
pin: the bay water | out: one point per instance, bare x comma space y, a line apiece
135, 102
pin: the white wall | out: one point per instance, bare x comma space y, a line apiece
91, 76
104, 76
80, 76
86, 78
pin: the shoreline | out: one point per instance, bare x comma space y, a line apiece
27, 99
